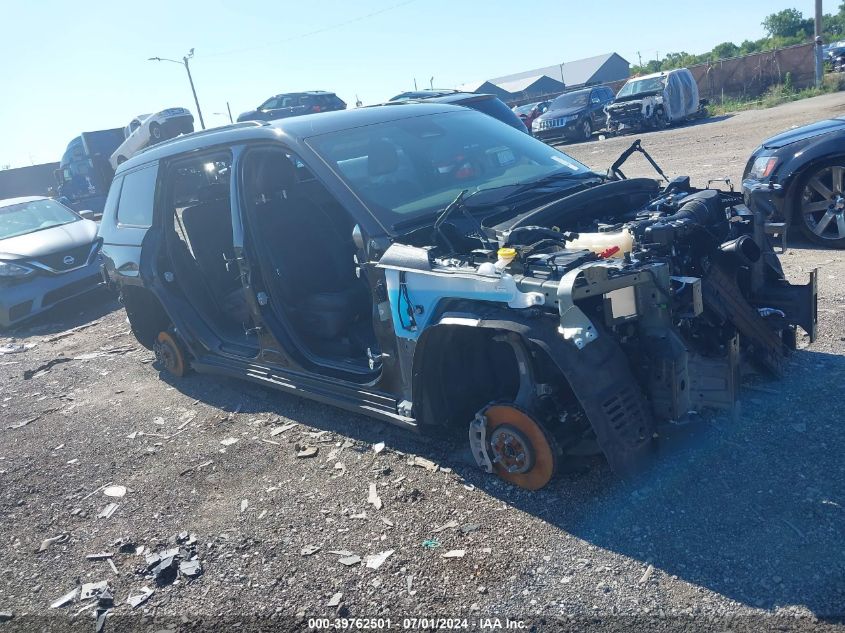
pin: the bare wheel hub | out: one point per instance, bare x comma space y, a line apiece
169, 354
511, 449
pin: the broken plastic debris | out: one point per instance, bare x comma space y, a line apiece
5, 616
244, 505
373, 497
446, 526
108, 511
455, 553
386, 521
350, 560
13, 348
93, 589
99, 556
374, 561
647, 574
229, 441
470, 527
137, 601
335, 600
308, 550
378, 447
115, 491
47, 542
190, 568
422, 462
431, 543
65, 599
165, 572
281, 429
307, 451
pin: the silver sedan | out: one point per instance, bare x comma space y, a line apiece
48, 254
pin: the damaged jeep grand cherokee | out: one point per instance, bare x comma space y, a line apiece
432, 267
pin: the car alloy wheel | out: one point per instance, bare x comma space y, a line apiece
155, 131
587, 130
822, 205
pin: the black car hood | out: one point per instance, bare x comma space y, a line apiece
805, 132
556, 114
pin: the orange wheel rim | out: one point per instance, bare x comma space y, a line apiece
522, 444
170, 354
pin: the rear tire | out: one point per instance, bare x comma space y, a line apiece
586, 130
121, 160
819, 204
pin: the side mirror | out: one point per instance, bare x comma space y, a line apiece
87, 214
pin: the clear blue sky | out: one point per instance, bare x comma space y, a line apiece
66, 67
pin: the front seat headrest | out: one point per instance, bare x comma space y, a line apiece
274, 174
382, 158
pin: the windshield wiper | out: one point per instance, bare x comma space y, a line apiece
458, 203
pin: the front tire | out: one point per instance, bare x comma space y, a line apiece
586, 130
155, 131
819, 205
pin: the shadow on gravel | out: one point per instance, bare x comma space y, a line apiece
752, 508
67, 315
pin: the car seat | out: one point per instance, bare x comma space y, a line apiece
312, 261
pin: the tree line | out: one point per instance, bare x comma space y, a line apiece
783, 28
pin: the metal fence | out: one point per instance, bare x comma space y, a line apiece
751, 75
738, 77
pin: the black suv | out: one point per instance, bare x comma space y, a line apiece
426, 265
294, 104
574, 115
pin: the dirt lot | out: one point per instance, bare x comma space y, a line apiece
742, 518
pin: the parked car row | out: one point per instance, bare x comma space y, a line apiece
648, 102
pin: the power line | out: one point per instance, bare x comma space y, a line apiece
330, 27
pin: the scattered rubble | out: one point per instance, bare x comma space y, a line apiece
93, 589
108, 511
335, 600
422, 462
5, 616
229, 441
378, 447
354, 559
647, 575
115, 491
446, 526
308, 550
455, 553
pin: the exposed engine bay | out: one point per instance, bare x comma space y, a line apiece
648, 299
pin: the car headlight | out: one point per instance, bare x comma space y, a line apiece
10, 270
535, 124
763, 167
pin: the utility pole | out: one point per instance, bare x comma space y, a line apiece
818, 40
431, 82
184, 63
639, 59
415, 83
229, 110
561, 75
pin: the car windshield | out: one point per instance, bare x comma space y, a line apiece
640, 86
571, 100
525, 109
416, 166
28, 217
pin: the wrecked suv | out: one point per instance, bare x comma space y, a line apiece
432, 267
655, 101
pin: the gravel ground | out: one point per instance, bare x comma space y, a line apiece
742, 518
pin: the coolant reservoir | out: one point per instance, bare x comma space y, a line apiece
505, 257
600, 242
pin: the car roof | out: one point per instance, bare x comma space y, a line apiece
8, 202
297, 127
303, 92
458, 97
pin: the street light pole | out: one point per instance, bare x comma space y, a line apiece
184, 63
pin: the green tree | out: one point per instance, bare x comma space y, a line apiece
725, 50
787, 23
